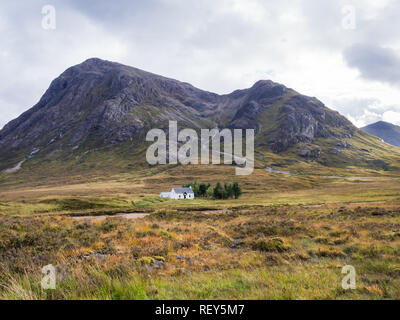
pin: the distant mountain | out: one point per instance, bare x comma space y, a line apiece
103, 105
388, 132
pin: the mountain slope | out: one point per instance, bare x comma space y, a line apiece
101, 105
390, 133
96, 98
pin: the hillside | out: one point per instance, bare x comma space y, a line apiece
95, 116
388, 132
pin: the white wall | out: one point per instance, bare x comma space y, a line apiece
179, 196
165, 195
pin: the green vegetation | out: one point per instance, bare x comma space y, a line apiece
203, 190
276, 252
286, 237
274, 244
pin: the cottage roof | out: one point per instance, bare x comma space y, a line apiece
182, 190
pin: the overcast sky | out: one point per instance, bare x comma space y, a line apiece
312, 46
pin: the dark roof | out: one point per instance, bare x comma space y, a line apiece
182, 190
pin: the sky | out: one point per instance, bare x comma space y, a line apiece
345, 53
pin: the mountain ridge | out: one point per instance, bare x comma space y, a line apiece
389, 132
104, 104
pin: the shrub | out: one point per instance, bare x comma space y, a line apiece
321, 239
273, 244
136, 251
146, 261
159, 258
210, 192
327, 253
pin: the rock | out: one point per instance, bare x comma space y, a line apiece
182, 258
343, 144
237, 243
95, 255
158, 264
310, 151
336, 151
152, 262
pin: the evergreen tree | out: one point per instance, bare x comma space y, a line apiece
195, 188
218, 191
202, 189
237, 191
229, 191
210, 192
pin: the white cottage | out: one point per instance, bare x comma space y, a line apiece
178, 193
182, 193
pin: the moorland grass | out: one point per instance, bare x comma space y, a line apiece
287, 237
275, 252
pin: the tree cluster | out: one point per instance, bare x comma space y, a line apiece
219, 191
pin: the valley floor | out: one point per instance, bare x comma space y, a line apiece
287, 237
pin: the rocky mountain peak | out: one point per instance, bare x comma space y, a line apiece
102, 103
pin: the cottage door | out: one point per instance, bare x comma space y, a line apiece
184, 195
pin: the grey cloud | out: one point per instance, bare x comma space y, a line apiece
363, 111
355, 106
209, 43
374, 62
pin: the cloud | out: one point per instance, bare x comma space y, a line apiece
219, 46
365, 118
374, 62
392, 116
363, 111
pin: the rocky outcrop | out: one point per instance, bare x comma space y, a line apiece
309, 151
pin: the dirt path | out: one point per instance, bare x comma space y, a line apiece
128, 216
16, 168
272, 170
208, 212
137, 215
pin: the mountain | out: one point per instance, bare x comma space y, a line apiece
102, 105
390, 133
